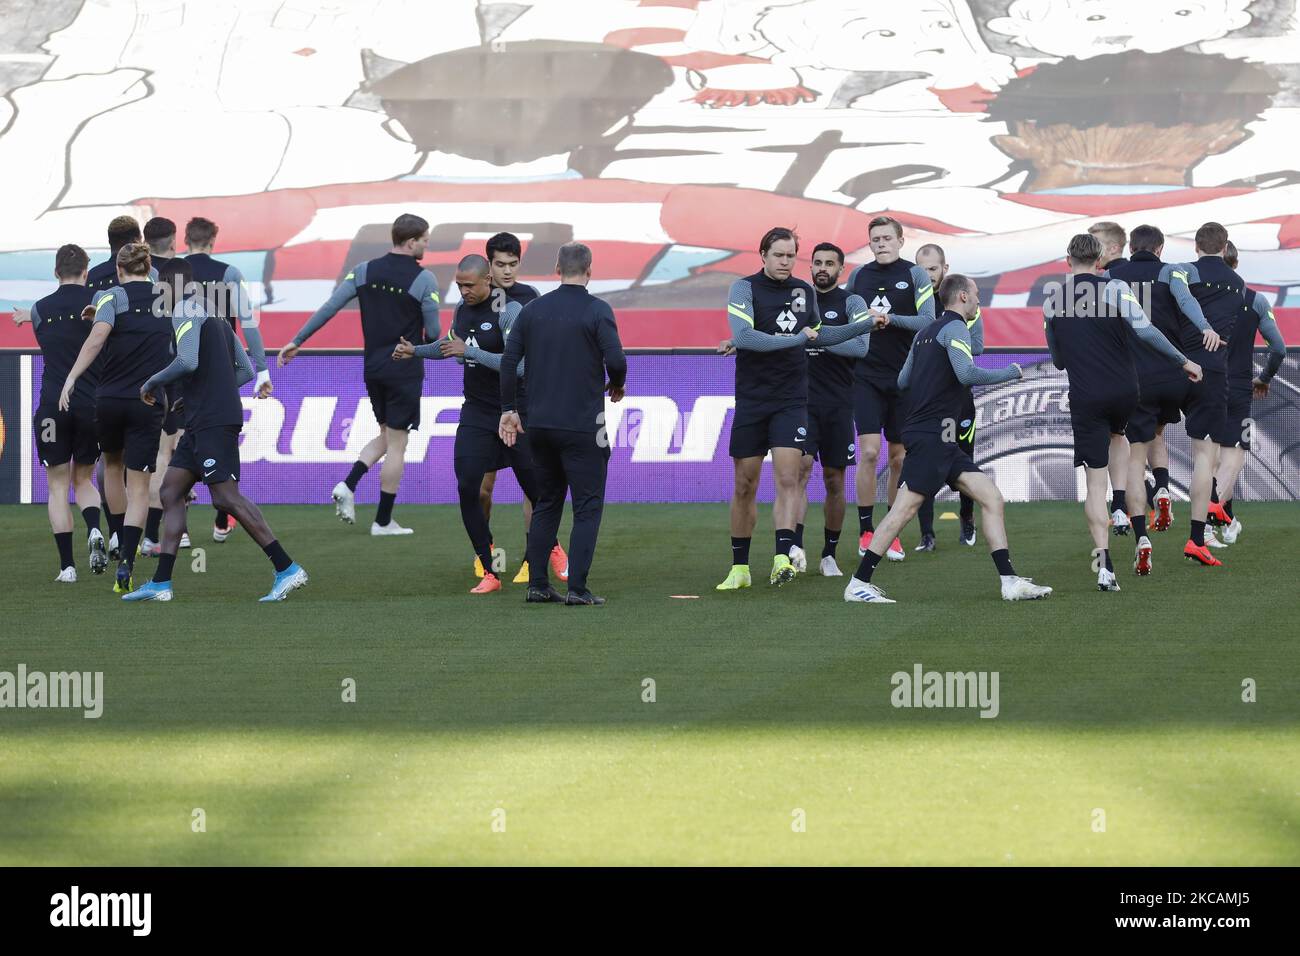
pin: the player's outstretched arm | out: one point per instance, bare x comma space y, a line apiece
956, 339
344, 293
1050, 332
187, 320
611, 349
104, 309
516, 343
244, 371
426, 292
740, 318
1272, 335
1118, 295
859, 326
1179, 278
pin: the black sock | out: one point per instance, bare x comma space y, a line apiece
63, 540
1105, 556
1214, 490
152, 523
281, 560
115, 525
1002, 561
832, 542
1119, 501
1151, 493
1227, 508
867, 566
1198, 533
91, 517
1162, 477
740, 550
359, 469
384, 513
130, 540
165, 564
798, 536
784, 540
222, 520
967, 509
1139, 523
865, 522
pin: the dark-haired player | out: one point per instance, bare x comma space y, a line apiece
892, 285
831, 439
504, 253
136, 337
65, 440
1234, 440
932, 259
398, 300
1091, 324
213, 366
479, 330
773, 316
938, 369
226, 294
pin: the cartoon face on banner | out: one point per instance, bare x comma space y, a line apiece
667, 135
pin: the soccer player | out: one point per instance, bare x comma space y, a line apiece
1163, 389
398, 300
174, 275
226, 295
893, 285
1113, 238
213, 366
136, 338
570, 341
504, 252
830, 405
65, 440
1234, 440
932, 259
1090, 322
479, 330
772, 316
1212, 297
936, 373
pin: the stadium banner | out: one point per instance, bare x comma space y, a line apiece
669, 436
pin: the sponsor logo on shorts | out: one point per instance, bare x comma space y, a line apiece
801, 430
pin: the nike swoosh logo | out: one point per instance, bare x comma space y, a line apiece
208, 474
798, 439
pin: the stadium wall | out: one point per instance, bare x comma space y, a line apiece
668, 437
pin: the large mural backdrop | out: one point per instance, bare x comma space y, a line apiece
668, 134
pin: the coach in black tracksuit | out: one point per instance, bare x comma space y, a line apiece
569, 340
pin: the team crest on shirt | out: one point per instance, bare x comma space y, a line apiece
486, 327
786, 321
831, 315
900, 285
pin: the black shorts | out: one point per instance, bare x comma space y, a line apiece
174, 418
211, 454
1160, 403
130, 426
1236, 429
783, 428
966, 427
1206, 406
65, 436
831, 439
931, 463
479, 448
396, 404
1093, 422
877, 408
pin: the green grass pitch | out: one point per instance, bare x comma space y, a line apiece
488, 731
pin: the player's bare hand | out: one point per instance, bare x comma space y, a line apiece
403, 350
265, 389
88, 313
810, 333
1259, 388
147, 396
615, 392
65, 396
1020, 372
21, 315
881, 319
1193, 371
726, 347
452, 345
510, 428
1210, 339
286, 354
